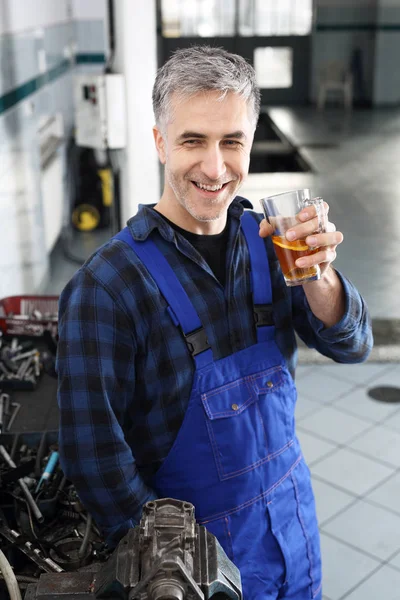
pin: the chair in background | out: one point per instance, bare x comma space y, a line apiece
334, 76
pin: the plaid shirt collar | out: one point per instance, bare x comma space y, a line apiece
147, 219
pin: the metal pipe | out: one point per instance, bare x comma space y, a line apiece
9, 578
16, 406
1, 412
32, 504
15, 446
85, 541
111, 35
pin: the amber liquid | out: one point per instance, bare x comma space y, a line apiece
287, 254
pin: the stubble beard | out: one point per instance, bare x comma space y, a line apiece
181, 194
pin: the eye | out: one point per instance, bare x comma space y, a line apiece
191, 142
232, 143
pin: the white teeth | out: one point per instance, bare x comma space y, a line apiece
209, 188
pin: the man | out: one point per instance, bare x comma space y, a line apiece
177, 351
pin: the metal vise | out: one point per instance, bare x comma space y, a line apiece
167, 557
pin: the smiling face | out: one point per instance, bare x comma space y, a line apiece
206, 153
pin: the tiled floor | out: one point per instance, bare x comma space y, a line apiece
351, 442
352, 445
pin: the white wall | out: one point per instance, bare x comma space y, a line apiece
136, 58
89, 9
21, 15
30, 30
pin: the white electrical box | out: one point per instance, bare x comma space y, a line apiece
100, 111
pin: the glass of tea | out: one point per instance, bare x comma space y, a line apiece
281, 211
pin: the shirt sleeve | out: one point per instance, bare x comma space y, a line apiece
96, 370
348, 341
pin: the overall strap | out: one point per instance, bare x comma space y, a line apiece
180, 307
260, 279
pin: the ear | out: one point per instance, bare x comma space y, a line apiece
160, 145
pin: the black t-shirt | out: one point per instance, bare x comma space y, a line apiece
211, 247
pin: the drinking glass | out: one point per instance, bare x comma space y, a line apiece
281, 212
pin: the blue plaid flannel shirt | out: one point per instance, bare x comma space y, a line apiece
125, 372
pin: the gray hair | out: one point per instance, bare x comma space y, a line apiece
199, 69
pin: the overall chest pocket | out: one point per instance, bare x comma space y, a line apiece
250, 420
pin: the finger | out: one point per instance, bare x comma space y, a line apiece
310, 227
330, 227
324, 239
265, 229
310, 212
301, 231
327, 255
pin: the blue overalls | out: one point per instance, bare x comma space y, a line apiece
236, 456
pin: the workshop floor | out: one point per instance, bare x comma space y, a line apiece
352, 445
351, 442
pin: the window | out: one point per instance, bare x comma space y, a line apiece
216, 18
275, 17
274, 67
198, 18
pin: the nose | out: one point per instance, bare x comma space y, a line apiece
213, 163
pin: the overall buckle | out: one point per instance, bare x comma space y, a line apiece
263, 315
197, 341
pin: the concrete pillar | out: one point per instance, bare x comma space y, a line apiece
136, 58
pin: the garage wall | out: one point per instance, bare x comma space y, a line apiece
41, 44
387, 73
346, 32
